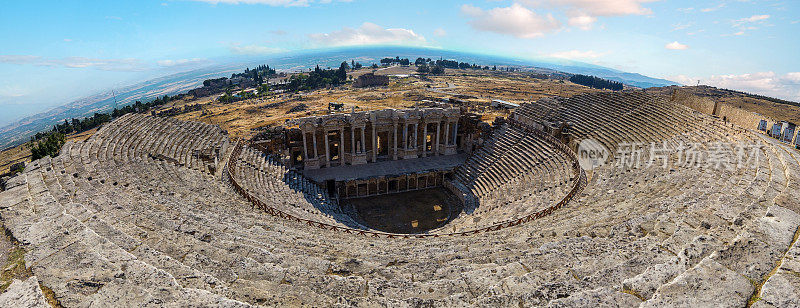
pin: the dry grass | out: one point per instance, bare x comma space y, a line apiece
13, 156
14, 263
240, 118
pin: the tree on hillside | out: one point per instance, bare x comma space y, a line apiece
342, 72
596, 82
50, 146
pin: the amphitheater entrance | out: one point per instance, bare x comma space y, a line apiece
383, 144
408, 212
335, 148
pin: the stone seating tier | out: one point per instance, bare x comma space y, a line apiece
109, 222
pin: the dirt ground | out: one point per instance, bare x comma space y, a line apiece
473, 88
407, 212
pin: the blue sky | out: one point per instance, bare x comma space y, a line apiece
52, 52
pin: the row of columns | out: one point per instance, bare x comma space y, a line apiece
408, 143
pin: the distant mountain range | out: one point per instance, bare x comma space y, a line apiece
20, 131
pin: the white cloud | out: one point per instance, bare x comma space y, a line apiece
581, 21
439, 32
19, 59
769, 83
676, 46
515, 20
253, 49
12, 91
681, 26
126, 64
368, 34
598, 7
696, 32
792, 79
753, 18
575, 55
713, 8
748, 23
182, 62
582, 14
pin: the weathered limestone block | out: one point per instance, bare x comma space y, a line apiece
756, 251
12, 196
75, 272
23, 294
600, 297
683, 234
707, 284
781, 290
646, 283
700, 247
16, 181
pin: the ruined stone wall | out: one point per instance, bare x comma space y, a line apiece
700, 104
741, 117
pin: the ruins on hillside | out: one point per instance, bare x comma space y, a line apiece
370, 80
412, 148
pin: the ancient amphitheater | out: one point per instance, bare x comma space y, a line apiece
157, 212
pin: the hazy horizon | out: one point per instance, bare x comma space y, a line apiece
220, 65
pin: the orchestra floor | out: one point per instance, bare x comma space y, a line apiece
407, 212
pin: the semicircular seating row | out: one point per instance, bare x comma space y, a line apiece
514, 174
104, 222
289, 191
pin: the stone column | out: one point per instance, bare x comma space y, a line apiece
341, 145
314, 137
363, 145
305, 147
438, 127
416, 136
447, 134
425, 139
455, 134
374, 144
394, 136
327, 150
352, 142
405, 136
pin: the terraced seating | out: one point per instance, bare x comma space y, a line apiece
273, 183
518, 172
131, 217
